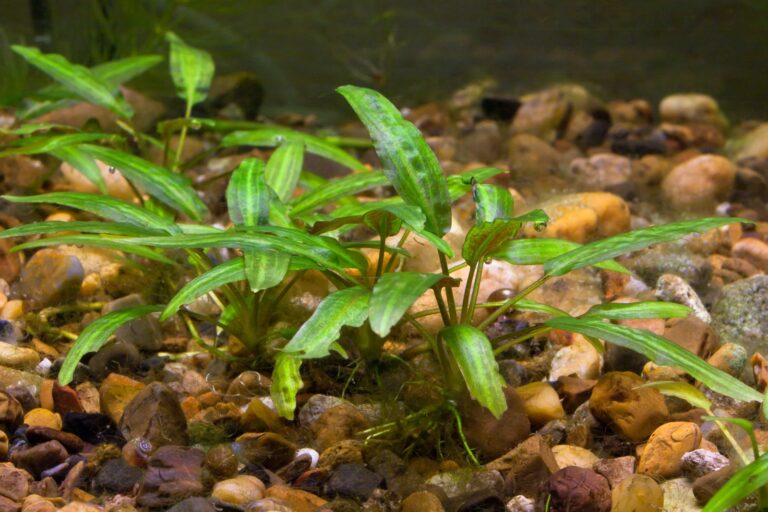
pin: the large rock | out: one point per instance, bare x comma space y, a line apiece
156, 415
633, 413
662, 457
739, 316
50, 278
700, 183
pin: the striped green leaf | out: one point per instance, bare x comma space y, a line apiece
248, 194
75, 78
647, 309
492, 202
744, 482
681, 390
460, 184
661, 351
191, 69
336, 189
286, 383
609, 248
105, 242
284, 168
273, 136
83, 162
482, 239
537, 251
265, 269
171, 189
101, 228
103, 206
230, 271
48, 143
473, 354
409, 163
393, 294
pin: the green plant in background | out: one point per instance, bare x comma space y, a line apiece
287, 221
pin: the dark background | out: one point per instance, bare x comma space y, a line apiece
416, 50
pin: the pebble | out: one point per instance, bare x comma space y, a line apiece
155, 414
422, 501
662, 456
604, 171
11, 412
526, 465
520, 503
699, 462
311, 411
730, 358
173, 473
116, 358
616, 470
753, 250
637, 493
492, 437
575, 488
50, 278
37, 459
40, 417
672, 288
465, 486
348, 451
36, 503
221, 461
707, 485
578, 359
353, 481
5, 445
194, 504
116, 476
531, 157
116, 392
144, 332
633, 413
18, 357
569, 455
678, 496
691, 108
693, 335
541, 402
239, 490
268, 449
15, 483
699, 184
257, 417
296, 499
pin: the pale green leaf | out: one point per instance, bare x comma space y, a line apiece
393, 294
191, 69
284, 168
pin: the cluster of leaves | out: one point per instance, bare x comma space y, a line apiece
287, 220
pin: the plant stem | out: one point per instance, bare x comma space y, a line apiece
182, 137
511, 302
458, 267
467, 292
448, 289
519, 337
441, 306
457, 418
380, 261
475, 293
400, 244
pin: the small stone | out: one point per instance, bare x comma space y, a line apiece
520, 504
239, 490
15, 483
707, 485
18, 357
699, 184
353, 481
492, 437
616, 470
527, 465
50, 278
691, 108
633, 413
753, 250
461, 489
221, 461
699, 462
4, 445
349, 451
116, 392
259, 418
693, 335
116, 476
93, 428
11, 412
173, 473
579, 359
144, 332
672, 288
194, 504
296, 499
81, 506
7, 505
88, 395
637, 493
155, 414
604, 171
250, 384
663, 454
71, 442
575, 488
569, 455
678, 496
574, 390
541, 401
37, 459
36, 503
43, 418
730, 358
65, 399
270, 450
115, 358
12, 310
583, 217
422, 501
531, 157
338, 423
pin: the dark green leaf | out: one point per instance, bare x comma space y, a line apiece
649, 309
660, 351
386, 221
537, 251
473, 353
77, 79
409, 163
284, 168
614, 246
248, 195
336, 189
492, 203
103, 206
483, 239
191, 69
393, 294
170, 189
744, 482
96, 334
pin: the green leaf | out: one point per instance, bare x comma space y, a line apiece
609, 248
347, 307
661, 351
48, 143
649, 309
105, 242
170, 189
338, 188
538, 307
119, 71
191, 69
681, 390
286, 383
393, 294
473, 353
101, 228
228, 272
460, 184
492, 203
482, 239
77, 79
284, 168
96, 335
103, 206
84, 163
387, 220
265, 269
537, 251
273, 136
409, 163
248, 195
744, 482
28, 128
